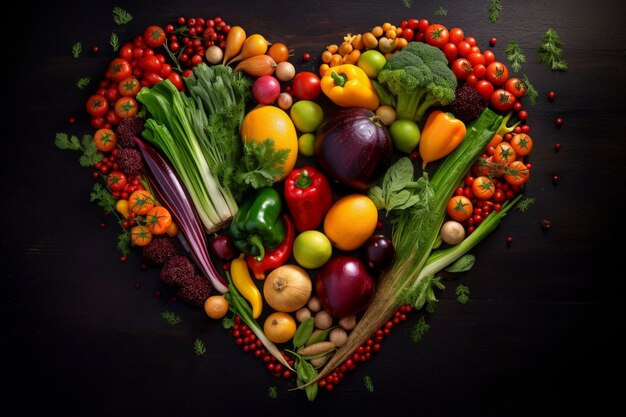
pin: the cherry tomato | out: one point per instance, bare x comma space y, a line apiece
126, 51
105, 139
413, 24
408, 34
485, 89
522, 144
97, 105
112, 94
150, 63
140, 235
456, 35
476, 58
176, 79
489, 57
152, 78
111, 117
497, 73
471, 79
516, 87
154, 36
129, 87
423, 25
165, 71
306, 86
479, 70
471, 40
97, 122
120, 69
502, 100
437, 35
450, 51
464, 48
461, 68
116, 180
483, 188
459, 208
126, 107
517, 173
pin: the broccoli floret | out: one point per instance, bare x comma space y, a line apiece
419, 77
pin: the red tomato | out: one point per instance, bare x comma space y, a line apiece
413, 24
479, 70
464, 48
407, 33
129, 87
126, 107
504, 154
176, 79
517, 173
437, 35
112, 94
97, 105
306, 86
456, 35
502, 100
150, 63
111, 117
497, 73
154, 36
459, 208
423, 25
489, 57
471, 79
476, 58
116, 180
483, 188
120, 69
450, 51
152, 78
516, 87
165, 71
461, 68
485, 89
471, 40
126, 51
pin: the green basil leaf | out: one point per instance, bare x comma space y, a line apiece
304, 332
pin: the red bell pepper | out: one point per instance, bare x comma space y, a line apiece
308, 196
278, 256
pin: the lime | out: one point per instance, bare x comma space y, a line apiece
312, 249
405, 135
306, 115
306, 144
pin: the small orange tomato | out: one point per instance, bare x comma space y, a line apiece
158, 220
141, 202
279, 327
279, 52
504, 154
129, 87
105, 140
172, 230
459, 208
140, 235
483, 188
126, 107
517, 173
216, 306
522, 144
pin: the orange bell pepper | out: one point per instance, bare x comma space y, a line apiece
441, 134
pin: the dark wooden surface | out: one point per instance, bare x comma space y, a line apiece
540, 333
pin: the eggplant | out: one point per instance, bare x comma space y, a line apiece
353, 147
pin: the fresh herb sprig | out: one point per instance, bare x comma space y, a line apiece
551, 51
121, 16
273, 393
525, 203
495, 9
83, 82
171, 318
420, 328
440, 11
199, 347
369, 384
77, 49
515, 55
531, 91
260, 165
462, 293
103, 197
90, 155
114, 41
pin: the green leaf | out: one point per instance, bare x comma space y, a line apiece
376, 195
77, 49
273, 393
83, 82
121, 16
407, 3
463, 264
551, 51
64, 141
228, 322
303, 333
369, 385
171, 318
261, 164
462, 293
495, 9
515, 55
102, 197
198, 347
419, 330
114, 41
124, 244
525, 203
441, 11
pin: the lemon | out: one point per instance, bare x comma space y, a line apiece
270, 122
351, 221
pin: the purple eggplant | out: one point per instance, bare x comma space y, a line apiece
171, 193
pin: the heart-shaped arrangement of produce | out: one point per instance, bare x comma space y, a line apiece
311, 211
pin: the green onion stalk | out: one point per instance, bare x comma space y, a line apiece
415, 235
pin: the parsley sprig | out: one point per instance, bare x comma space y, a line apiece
462, 293
77, 49
83, 82
171, 318
90, 155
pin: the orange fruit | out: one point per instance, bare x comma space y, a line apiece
351, 221
279, 327
216, 306
270, 122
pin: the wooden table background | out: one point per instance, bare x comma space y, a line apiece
539, 334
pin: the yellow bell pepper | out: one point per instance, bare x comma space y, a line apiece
349, 86
441, 134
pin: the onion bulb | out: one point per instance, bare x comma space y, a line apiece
254, 45
285, 101
285, 71
266, 89
214, 54
287, 288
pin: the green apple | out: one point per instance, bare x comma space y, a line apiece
405, 135
306, 115
371, 62
312, 249
306, 144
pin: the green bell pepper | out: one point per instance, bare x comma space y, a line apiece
258, 225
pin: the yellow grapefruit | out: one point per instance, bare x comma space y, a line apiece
351, 221
270, 122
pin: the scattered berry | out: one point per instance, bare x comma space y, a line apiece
306, 57
557, 147
95, 49
509, 240
71, 120
555, 180
492, 42
122, 258
558, 121
551, 96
